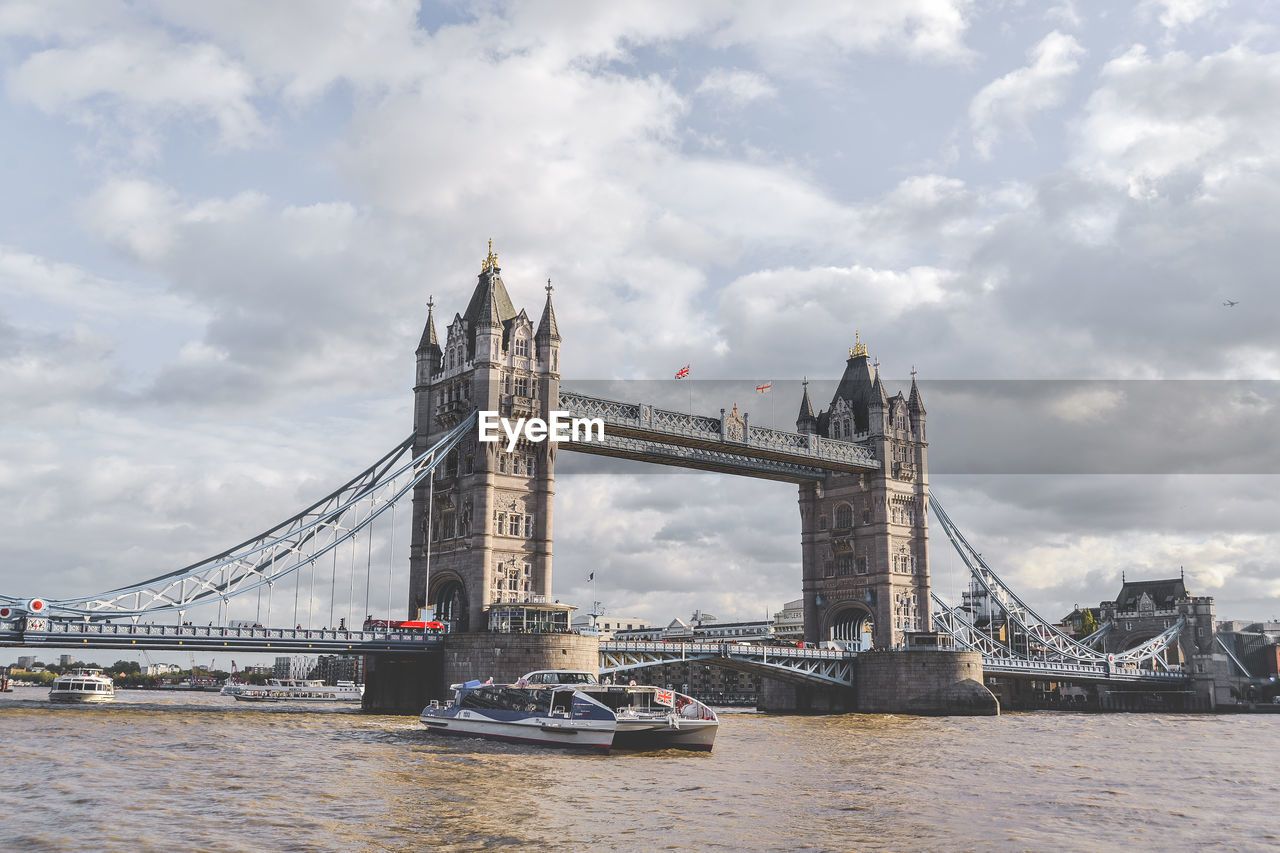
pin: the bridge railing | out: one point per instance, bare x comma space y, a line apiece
87, 630
1113, 672
723, 649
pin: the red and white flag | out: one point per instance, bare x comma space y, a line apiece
683, 373
765, 388
664, 697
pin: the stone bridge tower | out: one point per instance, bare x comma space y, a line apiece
482, 534
864, 537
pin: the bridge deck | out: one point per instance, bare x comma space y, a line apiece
100, 635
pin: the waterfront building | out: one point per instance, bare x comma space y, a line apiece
1144, 609
788, 623
26, 661
607, 625
160, 668
482, 525
65, 661
335, 668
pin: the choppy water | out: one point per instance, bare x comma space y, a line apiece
164, 771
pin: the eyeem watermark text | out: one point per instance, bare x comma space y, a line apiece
561, 427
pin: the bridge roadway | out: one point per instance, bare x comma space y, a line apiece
105, 635
827, 667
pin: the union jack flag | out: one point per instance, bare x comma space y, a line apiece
683, 373
664, 697
765, 388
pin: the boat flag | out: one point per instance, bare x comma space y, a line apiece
683, 373
591, 577
664, 697
765, 388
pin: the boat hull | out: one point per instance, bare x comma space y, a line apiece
77, 698
686, 734
547, 731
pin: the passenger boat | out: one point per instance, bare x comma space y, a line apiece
83, 685
648, 717
300, 690
554, 716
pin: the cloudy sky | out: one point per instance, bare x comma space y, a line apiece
221, 224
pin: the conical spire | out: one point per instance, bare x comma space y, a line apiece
914, 403
877, 389
429, 340
547, 329
806, 421
490, 304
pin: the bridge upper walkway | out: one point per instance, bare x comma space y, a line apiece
105, 635
728, 443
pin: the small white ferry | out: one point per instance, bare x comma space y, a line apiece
553, 716
648, 717
300, 690
83, 685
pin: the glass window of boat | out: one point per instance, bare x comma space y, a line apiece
508, 699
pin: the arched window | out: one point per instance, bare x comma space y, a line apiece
844, 516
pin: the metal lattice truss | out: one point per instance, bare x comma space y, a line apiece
801, 456
1028, 635
802, 666
266, 558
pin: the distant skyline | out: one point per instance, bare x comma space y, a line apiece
222, 222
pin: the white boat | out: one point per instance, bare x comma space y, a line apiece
648, 717
300, 690
553, 716
83, 685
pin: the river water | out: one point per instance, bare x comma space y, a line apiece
168, 771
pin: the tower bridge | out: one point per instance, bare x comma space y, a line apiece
482, 535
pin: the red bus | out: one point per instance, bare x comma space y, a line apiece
412, 625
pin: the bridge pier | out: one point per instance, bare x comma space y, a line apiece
783, 697
400, 684
924, 682
506, 657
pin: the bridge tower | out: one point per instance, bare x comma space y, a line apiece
482, 528
864, 537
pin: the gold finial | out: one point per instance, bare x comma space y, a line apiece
431, 303
549, 287
491, 262
858, 348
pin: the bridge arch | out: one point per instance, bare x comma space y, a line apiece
449, 595
851, 625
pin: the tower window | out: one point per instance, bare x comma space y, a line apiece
862, 565
522, 346
844, 565
844, 516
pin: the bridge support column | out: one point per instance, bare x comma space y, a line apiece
400, 684
506, 657
781, 697
927, 683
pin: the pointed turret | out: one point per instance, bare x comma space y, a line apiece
857, 385
488, 311
806, 421
914, 403
877, 390
430, 343
547, 329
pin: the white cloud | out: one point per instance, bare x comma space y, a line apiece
150, 79
1154, 120
1174, 14
736, 86
1012, 99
